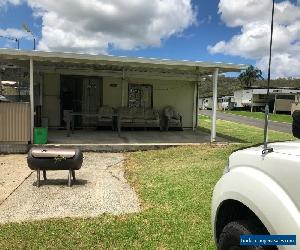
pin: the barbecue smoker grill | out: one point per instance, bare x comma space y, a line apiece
49, 159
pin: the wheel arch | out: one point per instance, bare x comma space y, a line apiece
251, 193
233, 210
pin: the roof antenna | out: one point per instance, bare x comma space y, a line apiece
267, 109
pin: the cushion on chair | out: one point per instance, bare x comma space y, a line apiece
106, 112
151, 114
104, 119
126, 120
139, 116
124, 113
137, 113
171, 113
176, 115
66, 114
174, 121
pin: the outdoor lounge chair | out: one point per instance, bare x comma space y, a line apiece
67, 117
125, 117
106, 116
138, 117
131, 117
172, 118
152, 119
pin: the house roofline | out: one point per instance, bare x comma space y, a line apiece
120, 60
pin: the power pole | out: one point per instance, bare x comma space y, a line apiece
27, 29
17, 40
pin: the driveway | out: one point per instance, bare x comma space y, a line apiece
12, 174
100, 188
277, 126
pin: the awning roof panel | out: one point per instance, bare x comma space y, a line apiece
121, 61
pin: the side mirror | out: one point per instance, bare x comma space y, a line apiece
296, 124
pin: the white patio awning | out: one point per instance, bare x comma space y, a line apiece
117, 65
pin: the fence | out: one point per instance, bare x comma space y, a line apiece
14, 122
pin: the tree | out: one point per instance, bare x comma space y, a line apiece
251, 75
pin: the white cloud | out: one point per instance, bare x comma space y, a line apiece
14, 33
253, 16
91, 26
283, 65
4, 3
239, 12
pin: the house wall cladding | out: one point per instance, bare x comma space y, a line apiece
51, 98
179, 94
15, 122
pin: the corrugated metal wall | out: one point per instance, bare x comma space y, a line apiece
14, 122
283, 105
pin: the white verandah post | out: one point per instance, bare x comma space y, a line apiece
0, 83
214, 107
195, 107
124, 89
31, 101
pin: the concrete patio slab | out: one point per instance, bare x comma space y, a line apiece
100, 188
92, 140
109, 141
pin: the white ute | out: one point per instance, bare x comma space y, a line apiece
259, 193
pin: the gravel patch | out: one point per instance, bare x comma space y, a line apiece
100, 188
13, 171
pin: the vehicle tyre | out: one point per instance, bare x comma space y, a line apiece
230, 235
296, 123
296, 116
296, 130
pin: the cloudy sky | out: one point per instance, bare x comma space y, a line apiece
216, 30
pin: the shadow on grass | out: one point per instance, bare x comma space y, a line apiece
228, 137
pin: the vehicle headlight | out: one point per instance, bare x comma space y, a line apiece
226, 169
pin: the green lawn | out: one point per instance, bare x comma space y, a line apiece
242, 133
174, 186
259, 115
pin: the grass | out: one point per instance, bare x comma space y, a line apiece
242, 133
174, 186
259, 115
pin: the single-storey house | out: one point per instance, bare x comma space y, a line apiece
205, 103
83, 83
280, 99
224, 103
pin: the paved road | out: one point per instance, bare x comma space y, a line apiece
277, 126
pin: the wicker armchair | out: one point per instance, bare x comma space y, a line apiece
125, 117
172, 118
105, 116
152, 119
138, 117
